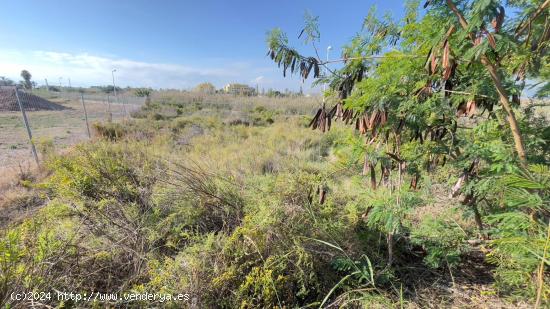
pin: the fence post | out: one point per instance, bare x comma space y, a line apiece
26, 121
85, 114
110, 115
124, 107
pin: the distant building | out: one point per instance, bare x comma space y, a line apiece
239, 89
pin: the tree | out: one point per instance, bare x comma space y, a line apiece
407, 84
26, 75
518, 50
485, 54
206, 88
6, 81
143, 92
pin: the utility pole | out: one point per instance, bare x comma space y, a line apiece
325, 70
114, 86
26, 121
70, 84
110, 114
47, 86
324, 90
85, 114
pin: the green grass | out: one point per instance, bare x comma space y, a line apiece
230, 213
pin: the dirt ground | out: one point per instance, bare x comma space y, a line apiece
62, 127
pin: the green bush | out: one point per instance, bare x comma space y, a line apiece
112, 131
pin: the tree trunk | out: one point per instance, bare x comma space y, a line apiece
389, 240
511, 117
503, 96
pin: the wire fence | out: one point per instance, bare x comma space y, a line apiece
32, 123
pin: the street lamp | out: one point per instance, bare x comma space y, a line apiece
114, 86
325, 69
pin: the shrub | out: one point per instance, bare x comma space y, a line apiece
112, 131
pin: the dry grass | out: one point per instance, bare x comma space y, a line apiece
18, 199
292, 105
62, 127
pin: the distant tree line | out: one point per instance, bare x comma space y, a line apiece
26, 83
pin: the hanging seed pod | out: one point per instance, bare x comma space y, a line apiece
446, 54
376, 124
471, 108
427, 66
332, 112
498, 20
433, 63
322, 120
414, 181
322, 194
314, 122
491, 40
372, 120
345, 116
362, 125
339, 112
365, 166
383, 117
449, 71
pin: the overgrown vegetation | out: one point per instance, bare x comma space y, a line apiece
427, 202
439, 93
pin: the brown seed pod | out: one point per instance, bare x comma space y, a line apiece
471, 108
384, 117
322, 196
322, 121
449, 71
446, 54
362, 125
498, 20
314, 122
433, 63
339, 112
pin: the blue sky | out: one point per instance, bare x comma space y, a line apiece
165, 44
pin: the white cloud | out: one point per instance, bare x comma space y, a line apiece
84, 70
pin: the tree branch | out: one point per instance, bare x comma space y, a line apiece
525, 24
503, 95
